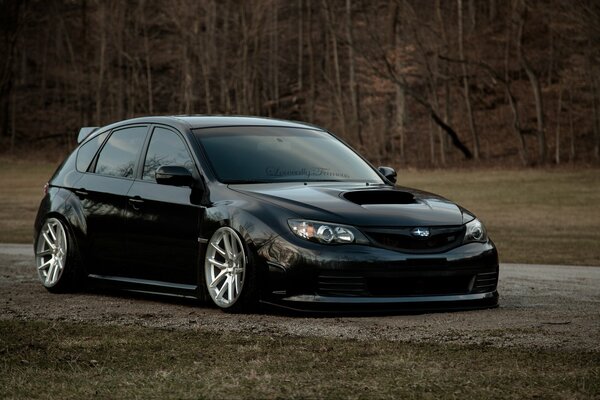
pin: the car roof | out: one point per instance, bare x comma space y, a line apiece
208, 121
184, 122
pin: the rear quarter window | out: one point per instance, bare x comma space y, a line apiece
86, 153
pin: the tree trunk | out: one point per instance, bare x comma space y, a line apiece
536, 88
355, 126
447, 109
311, 63
101, 26
276, 53
492, 10
558, 114
400, 118
12, 12
472, 15
571, 130
470, 117
300, 44
592, 73
517, 125
595, 113
150, 98
329, 18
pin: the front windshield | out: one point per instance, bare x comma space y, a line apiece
278, 154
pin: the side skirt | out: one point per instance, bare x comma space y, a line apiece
146, 286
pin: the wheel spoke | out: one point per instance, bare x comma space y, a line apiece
52, 233
234, 248
59, 264
218, 264
56, 271
221, 291
44, 253
230, 288
218, 249
227, 244
218, 278
47, 239
45, 264
50, 272
237, 283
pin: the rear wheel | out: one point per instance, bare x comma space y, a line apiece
53, 256
229, 273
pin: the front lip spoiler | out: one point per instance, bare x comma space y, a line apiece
306, 298
384, 305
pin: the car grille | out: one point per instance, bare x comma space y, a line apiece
440, 239
338, 284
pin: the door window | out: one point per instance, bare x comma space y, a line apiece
166, 148
120, 153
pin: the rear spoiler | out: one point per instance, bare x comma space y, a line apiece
85, 132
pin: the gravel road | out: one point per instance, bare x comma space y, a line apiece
541, 307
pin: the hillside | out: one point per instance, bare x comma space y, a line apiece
408, 82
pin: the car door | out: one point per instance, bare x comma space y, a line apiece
103, 194
163, 220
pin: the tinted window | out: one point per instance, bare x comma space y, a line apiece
119, 155
166, 148
270, 154
87, 152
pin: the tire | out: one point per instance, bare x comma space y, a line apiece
230, 272
55, 256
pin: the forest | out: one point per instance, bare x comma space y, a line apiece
422, 83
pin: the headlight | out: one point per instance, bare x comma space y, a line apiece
323, 232
475, 232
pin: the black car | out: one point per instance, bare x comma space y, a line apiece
244, 209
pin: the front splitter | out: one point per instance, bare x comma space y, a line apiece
407, 304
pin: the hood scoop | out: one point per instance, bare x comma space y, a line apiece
366, 197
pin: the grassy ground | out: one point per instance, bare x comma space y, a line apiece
533, 216
60, 360
21, 190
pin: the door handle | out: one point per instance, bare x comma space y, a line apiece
136, 202
81, 192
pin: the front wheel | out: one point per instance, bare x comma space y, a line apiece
228, 271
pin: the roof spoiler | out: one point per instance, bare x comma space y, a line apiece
85, 132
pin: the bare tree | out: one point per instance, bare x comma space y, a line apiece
535, 86
465, 79
331, 24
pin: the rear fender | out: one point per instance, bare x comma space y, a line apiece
61, 203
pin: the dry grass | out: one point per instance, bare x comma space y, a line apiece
534, 216
63, 361
21, 186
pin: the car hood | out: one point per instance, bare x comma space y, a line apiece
359, 205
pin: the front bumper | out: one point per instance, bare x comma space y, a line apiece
353, 277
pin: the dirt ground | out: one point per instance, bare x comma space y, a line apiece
541, 306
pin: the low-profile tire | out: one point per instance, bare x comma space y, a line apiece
55, 257
230, 272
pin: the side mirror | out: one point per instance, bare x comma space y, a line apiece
174, 175
389, 173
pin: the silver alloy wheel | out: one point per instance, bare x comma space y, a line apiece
51, 252
225, 267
